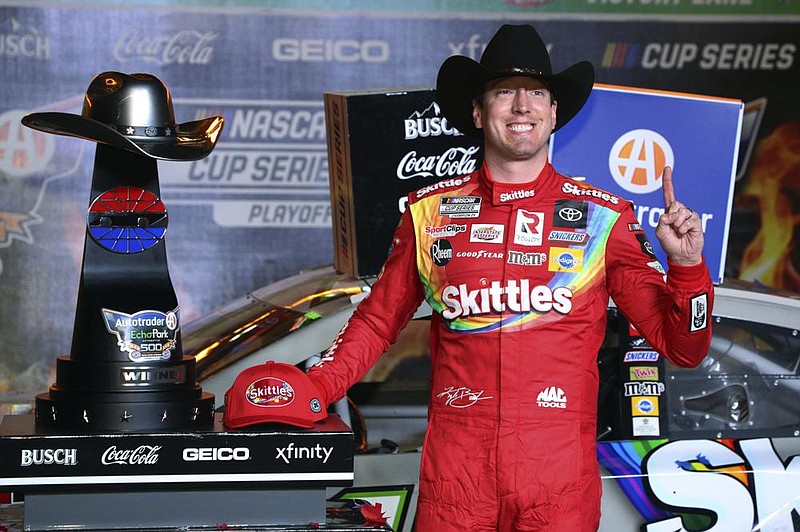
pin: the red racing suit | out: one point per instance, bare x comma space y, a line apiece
519, 279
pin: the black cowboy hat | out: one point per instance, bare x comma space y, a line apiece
515, 50
133, 112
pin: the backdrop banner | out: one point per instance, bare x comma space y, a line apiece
258, 209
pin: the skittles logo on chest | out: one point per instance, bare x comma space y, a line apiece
270, 392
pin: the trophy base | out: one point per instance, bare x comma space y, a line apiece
127, 412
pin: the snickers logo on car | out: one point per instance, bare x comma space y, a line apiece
460, 206
441, 252
699, 306
570, 213
528, 228
641, 356
487, 233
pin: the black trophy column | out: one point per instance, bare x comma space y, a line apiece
126, 369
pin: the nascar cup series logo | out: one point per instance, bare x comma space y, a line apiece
637, 159
270, 392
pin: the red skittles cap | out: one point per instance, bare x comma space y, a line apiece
272, 392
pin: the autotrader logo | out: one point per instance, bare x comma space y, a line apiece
637, 159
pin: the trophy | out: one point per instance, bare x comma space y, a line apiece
126, 369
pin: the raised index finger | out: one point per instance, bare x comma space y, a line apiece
666, 185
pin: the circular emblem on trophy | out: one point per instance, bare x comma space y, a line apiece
127, 220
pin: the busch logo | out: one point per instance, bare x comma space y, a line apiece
142, 455
552, 397
48, 456
521, 298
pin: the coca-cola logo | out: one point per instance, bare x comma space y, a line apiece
453, 162
142, 455
190, 47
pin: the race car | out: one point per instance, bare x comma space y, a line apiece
706, 449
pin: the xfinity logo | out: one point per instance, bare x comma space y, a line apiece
552, 397
48, 456
216, 454
290, 452
330, 50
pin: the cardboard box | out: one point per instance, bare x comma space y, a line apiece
383, 144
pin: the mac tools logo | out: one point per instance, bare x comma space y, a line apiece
455, 161
552, 397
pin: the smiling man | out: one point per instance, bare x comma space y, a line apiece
520, 297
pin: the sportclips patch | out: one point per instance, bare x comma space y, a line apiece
146, 336
699, 306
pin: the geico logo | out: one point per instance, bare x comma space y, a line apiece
215, 454
428, 127
48, 456
575, 190
513, 297
338, 50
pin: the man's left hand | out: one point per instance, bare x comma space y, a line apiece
679, 229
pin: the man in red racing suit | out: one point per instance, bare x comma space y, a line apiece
519, 277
